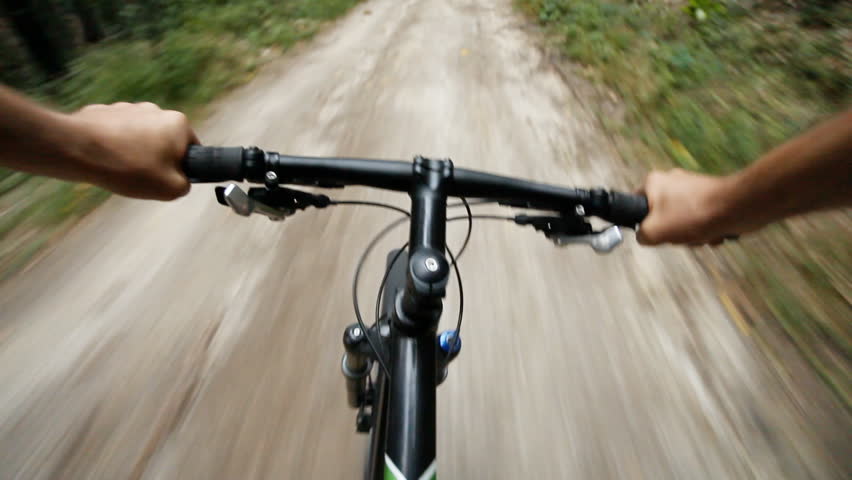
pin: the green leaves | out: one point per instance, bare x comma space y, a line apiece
551, 10
702, 9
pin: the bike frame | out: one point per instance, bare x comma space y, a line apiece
404, 407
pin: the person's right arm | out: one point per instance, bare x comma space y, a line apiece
810, 172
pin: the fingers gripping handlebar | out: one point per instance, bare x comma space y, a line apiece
217, 164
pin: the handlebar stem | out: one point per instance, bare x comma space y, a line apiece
428, 269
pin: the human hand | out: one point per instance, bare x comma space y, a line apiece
685, 208
134, 150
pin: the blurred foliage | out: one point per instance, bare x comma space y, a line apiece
179, 71
182, 53
44, 30
726, 88
821, 13
179, 54
33, 210
700, 9
798, 275
711, 92
15, 66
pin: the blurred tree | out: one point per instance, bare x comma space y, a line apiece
110, 11
43, 29
152, 18
16, 68
93, 31
818, 13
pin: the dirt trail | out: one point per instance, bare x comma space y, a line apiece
181, 341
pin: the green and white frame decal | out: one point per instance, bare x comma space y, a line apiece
393, 473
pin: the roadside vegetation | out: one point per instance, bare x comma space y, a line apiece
709, 85
180, 54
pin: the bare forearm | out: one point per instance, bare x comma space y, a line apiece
131, 149
36, 140
810, 172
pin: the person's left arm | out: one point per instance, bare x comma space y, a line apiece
131, 149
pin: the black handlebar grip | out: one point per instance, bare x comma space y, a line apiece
213, 164
626, 209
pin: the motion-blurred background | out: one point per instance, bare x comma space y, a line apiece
706, 85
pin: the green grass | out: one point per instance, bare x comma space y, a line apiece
726, 89
800, 276
180, 54
207, 48
34, 211
712, 96
181, 71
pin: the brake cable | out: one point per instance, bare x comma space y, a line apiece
469, 230
369, 249
296, 199
355, 278
370, 204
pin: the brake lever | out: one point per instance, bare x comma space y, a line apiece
274, 202
243, 204
601, 242
572, 230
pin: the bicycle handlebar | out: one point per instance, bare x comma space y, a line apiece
213, 164
217, 164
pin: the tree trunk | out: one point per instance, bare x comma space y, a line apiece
93, 32
110, 12
16, 68
42, 28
